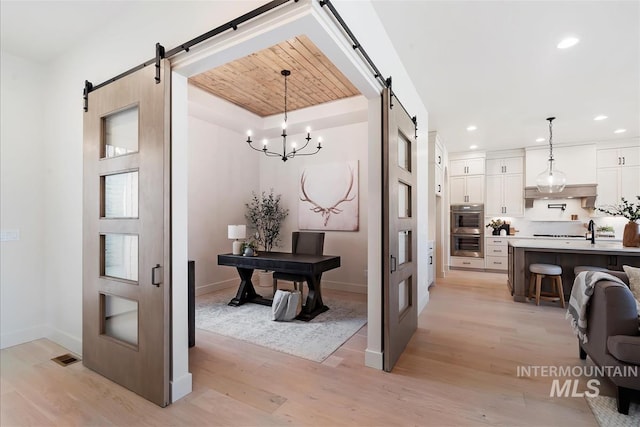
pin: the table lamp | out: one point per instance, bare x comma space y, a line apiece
237, 232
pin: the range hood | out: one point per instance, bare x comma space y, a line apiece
585, 192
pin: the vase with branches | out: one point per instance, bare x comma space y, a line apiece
266, 215
631, 211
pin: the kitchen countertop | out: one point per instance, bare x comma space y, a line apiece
575, 244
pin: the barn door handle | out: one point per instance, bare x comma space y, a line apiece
394, 265
155, 275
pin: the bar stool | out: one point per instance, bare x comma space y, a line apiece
539, 272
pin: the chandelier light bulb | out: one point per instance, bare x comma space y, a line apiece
284, 125
294, 145
264, 142
249, 133
308, 129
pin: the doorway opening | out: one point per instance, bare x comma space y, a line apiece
224, 175
263, 33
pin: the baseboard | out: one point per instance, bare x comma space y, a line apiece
347, 287
64, 339
22, 336
181, 387
218, 286
373, 359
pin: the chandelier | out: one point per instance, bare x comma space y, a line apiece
551, 180
294, 150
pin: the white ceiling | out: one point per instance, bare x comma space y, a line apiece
493, 64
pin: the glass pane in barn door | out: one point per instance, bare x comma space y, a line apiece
119, 255
120, 133
120, 318
120, 195
126, 256
399, 229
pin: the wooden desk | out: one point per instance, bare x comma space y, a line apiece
309, 266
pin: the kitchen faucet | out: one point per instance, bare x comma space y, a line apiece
592, 229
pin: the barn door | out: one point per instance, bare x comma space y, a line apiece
126, 256
399, 228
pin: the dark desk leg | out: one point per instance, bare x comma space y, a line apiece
246, 291
314, 304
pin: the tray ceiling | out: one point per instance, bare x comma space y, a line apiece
255, 83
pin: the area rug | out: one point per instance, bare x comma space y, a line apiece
606, 412
314, 340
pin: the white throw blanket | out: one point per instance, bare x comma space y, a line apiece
580, 295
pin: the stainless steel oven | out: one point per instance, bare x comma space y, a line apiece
467, 230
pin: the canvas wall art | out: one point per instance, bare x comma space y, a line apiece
328, 197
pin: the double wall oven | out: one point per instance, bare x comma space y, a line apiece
467, 230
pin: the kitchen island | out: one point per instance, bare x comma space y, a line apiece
567, 254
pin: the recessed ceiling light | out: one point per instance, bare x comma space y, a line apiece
473, 147
619, 131
472, 128
539, 139
600, 117
568, 42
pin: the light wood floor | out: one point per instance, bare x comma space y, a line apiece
459, 369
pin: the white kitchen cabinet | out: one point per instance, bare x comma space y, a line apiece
496, 253
438, 181
505, 195
614, 157
616, 183
436, 164
462, 167
507, 165
466, 262
466, 189
618, 175
505, 187
438, 157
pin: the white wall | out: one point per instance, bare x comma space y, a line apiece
222, 175
22, 146
344, 143
220, 161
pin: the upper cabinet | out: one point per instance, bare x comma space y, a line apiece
618, 174
436, 164
506, 165
614, 157
466, 189
471, 166
504, 187
466, 181
578, 162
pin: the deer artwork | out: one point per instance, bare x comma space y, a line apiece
326, 212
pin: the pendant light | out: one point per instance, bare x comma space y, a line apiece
551, 180
294, 151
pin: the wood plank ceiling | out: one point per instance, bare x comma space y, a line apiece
255, 83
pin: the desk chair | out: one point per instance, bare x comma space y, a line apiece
308, 243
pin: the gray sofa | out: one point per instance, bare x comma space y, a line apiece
614, 340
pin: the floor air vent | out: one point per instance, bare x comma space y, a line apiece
65, 359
